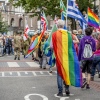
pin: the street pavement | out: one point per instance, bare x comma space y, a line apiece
19, 80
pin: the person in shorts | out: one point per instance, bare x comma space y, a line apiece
86, 48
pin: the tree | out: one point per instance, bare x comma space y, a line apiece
84, 4
51, 7
3, 25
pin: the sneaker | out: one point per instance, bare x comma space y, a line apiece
60, 94
84, 84
92, 78
87, 86
67, 92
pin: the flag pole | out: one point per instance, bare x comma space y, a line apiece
66, 12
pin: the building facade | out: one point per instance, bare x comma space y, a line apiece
17, 19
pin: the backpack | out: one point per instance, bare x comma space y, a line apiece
87, 52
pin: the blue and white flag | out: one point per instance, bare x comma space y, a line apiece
73, 11
82, 25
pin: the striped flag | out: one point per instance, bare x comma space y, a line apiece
73, 11
44, 22
63, 8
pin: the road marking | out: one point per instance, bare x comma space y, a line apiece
18, 73
13, 64
26, 72
33, 87
49, 73
32, 64
40, 95
34, 73
41, 72
3, 74
10, 73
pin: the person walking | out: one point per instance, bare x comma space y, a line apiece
96, 59
53, 45
17, 46
86, 48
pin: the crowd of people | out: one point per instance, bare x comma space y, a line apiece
87, 47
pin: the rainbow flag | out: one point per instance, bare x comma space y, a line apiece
93, 19
66, 58
35, 44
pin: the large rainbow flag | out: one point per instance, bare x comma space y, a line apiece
93, 19
66, 58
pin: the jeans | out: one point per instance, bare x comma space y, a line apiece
43, 61
60, 84
96, 61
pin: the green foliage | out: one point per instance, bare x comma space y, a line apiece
3, 26
50, 7
84, 4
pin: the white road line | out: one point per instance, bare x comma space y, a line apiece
10, 73
3, 74
32, 64
34, 73
26, 72
41, 72
49, 73
13, 64
18, 73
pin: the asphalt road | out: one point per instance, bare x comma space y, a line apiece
18, 82
40, 88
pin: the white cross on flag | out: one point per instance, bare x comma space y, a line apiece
26, 32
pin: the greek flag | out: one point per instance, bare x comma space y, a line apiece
73, 11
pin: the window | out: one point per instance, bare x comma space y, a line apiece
31, 22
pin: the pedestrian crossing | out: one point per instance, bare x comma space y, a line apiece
27, 73
19, 64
